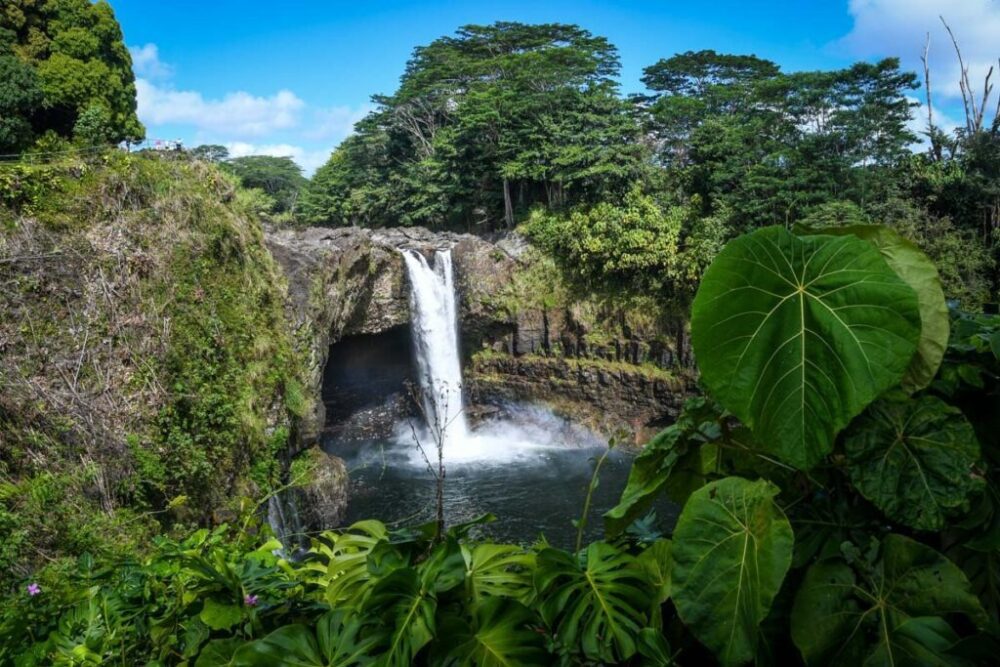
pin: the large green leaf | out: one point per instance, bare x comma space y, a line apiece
404, 605
339, 641
502, 570
658, 563
219, 653
444, 568
501, 636
220, 615
596, 601
731, 549
796, 335
889, 612
651, 471
912, 265
915, 459
288, 646
341, 562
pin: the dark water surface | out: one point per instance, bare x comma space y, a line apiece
533, 492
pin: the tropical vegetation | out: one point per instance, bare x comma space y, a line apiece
836, 480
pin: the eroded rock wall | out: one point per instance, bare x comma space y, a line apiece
525, 336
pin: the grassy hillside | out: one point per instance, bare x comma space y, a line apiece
146, 378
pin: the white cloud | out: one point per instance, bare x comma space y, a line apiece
237, 114
900, 27
147, 64
282, 124
336, 122
918, 122
308, 159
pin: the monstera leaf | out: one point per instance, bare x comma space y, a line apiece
912, 265
599, 604
341, 562
915, 459
731, 549
339, 641
890, 612
796, 335
408, 609
497, 570
501, 636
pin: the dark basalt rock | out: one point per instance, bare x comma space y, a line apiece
351, 282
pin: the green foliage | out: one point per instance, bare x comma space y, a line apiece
597, 600
495, 119
631, 247
845, 590
963, 261
278, 177
689, 441
194, 360
65, 69
500, 636
210, 153
917, 270
20, 93
884, 609
732, 547
915, 459
796, 335
766, 563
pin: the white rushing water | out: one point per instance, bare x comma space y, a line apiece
435, 334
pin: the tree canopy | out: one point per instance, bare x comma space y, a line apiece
279, 177
64, 68
489, 121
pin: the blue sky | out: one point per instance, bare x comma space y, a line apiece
291, 78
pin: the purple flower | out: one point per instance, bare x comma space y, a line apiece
34, 589
250, 600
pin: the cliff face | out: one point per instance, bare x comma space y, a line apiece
525, 336
146, 372
162, 354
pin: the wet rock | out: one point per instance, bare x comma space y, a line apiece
320, 499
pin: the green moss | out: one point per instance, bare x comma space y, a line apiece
649, 371
186, 348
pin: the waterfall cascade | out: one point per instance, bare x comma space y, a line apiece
435, 334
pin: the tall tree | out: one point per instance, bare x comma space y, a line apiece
487, 122
75, 50
279, 177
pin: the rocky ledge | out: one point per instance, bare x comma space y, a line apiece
524, 346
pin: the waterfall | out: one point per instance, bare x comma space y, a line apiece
435, 335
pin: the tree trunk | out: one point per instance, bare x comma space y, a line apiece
508, 206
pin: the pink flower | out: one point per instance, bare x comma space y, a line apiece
34, 589
250, 600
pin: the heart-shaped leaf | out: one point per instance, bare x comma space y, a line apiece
891, 612
914, 458
731, 549
912, 265
796, 335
